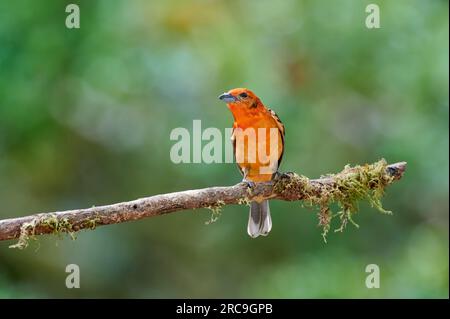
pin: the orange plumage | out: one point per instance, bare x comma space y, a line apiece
259, 154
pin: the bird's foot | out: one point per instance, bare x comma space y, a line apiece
250, 185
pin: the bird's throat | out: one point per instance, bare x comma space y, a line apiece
244, 116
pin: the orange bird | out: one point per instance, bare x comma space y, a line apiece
258, 144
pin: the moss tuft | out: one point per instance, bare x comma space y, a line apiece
244, 201
57, 226
90, 223
346, 189
26, 233
216, 211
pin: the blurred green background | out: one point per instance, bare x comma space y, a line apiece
85, 118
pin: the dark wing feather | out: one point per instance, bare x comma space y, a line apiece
281, 129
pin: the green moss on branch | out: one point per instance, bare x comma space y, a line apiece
56, 226
346, 189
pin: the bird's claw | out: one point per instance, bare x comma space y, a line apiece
249, 184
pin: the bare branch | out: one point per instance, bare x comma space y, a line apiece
289, 187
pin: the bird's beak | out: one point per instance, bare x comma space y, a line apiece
227, 97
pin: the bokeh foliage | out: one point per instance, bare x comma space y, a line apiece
85, 118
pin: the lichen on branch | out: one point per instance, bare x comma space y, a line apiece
346, 189
54, 225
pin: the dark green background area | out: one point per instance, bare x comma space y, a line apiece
85, 118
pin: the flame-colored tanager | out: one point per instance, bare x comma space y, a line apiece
257, 161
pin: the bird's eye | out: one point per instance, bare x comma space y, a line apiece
243, 94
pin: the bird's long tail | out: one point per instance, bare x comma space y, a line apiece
259, 221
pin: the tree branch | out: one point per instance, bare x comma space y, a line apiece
352, 184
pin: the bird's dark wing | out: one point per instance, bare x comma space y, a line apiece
281, 128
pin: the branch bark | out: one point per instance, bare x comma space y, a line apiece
289, 187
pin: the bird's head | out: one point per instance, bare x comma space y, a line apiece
241, 98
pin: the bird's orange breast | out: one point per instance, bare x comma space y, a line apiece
259, 146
